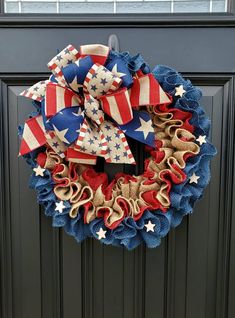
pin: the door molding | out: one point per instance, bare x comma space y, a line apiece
120, 20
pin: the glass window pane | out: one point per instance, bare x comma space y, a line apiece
38, 7
115, 6
12, 7
86, 7
192, 6
144, 7
218, 6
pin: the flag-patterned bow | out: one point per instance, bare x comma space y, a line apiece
87, 107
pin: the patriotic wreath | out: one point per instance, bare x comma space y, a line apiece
94, 102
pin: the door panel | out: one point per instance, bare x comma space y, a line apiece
187, 49
47, 274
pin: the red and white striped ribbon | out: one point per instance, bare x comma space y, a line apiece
80, 157
58, 97
98, 52
147, 91
118, 106
33, 135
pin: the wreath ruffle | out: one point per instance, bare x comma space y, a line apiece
94, 102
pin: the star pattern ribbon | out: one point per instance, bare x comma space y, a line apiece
89, 104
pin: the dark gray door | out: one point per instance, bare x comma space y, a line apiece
47, 274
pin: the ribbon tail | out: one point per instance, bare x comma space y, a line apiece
91, 140
33, 135
140, 128
118, 150
36, 92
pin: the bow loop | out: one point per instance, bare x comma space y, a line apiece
66, 124
119, 68
58, 97
75, 73
98, 52
36, 92
100, 81
66, 56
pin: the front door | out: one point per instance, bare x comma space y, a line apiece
45, 273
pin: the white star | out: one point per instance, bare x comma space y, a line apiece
193, 178
60, 206
101, 233
77, 62
77, 114
115, 71
150, 226
179, 91
144, 127
39, 171
74, 84
201, 139
61, 134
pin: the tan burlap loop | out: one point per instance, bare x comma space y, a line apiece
50, 163
124, 187
109, 203
52, 159
136, 205
117, 212
76, 192
163, 196
98, 197
166, 123
91, 213
188, 144
148, 187
63, 193
134, 188
62, 174
53, 155
88, 196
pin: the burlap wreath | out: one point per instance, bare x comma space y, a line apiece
94, 102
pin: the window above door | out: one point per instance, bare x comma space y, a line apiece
115, 6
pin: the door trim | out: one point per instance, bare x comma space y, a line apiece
120, 20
